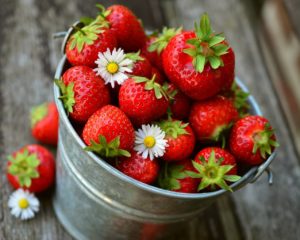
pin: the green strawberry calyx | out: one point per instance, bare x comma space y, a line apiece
67, 94
240, 99
38, 113
103, 13
86, 35
160, 43
264, 141
150, 85
135, 56
107, 149
207, 47
212, 173
24, 167
173, 128
170, 176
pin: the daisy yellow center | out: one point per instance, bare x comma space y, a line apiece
23, 203
112, 67
149, 141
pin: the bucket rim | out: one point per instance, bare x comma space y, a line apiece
245, 179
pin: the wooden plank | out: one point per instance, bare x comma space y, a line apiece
263, 212
29, 60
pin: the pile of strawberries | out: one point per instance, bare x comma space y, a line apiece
163, 109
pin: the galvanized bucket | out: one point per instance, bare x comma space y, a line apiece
93, 200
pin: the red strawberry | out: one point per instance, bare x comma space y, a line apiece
44, 123
142, 100
125, 25
153, 57
155, 45
181, 140
82, 92
199, 62
135, 166
141, 67
32, 167
179, 103
215, 166
83, 46
173, 177
252, 140
109, 132
210, 118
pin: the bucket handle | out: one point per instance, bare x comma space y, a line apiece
66, 35
265, 167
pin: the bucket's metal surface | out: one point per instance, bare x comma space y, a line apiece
93, 200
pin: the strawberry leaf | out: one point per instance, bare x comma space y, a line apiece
135, 56
264, 141
207, 47
173, 128
107, 149
24, 166
212, 173
38, 113
163, 39
86, 35
67, 94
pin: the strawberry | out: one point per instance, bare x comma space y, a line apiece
125, 25
180, 105
159, 76
238, 97
143, 100
173, 177
141, 67
153, 57
181, 140
44, 123
252, 140
211, 118
109, 132
199, 63
142, 169
84, 45
215, 166
154, 46
82, 92
32, 168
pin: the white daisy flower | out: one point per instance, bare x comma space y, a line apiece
113, 65
149, 141
23, 204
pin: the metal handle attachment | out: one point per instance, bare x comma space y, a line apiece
265, 167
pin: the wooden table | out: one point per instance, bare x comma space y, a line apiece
28, 58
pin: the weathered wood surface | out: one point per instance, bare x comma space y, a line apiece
27, 64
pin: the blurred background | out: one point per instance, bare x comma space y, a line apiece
265, 37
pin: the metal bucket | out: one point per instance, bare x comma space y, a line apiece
93, 200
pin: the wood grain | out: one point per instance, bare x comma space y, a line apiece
261, 210
28, 60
